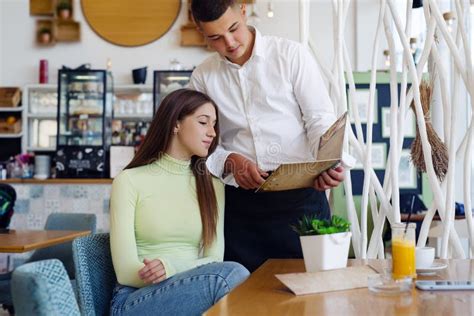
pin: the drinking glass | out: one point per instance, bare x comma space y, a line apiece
403, 251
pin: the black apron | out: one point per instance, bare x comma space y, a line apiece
257, 225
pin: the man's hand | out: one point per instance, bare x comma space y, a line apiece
329, 179
246, 173
153, 271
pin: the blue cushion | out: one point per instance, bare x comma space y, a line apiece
63, 252
43, 288
95, 274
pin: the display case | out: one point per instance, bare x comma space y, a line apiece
166, 81
39, 117
84, 123
132, 105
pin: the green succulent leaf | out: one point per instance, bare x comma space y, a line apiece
310, 225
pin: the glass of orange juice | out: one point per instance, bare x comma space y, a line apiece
403, 251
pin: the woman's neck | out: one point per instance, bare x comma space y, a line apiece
178, 156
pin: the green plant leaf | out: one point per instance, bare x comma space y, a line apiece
310, 225
304, 226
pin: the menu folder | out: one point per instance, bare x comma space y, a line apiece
291, 176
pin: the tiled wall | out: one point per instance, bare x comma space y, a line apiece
36, 201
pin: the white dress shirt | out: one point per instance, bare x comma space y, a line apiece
272, 110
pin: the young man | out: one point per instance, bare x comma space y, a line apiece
273, 108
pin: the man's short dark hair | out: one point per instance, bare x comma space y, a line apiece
209, 10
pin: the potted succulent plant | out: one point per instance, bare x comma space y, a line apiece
44, 34
64, 9
325, 243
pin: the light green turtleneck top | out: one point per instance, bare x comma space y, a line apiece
154, 213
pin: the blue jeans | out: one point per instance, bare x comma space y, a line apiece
188, 293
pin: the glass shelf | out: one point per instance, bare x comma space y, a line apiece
11, 135
82, 106
11, 109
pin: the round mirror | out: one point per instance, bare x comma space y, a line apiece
131, 22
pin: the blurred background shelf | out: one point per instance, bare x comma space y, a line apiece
42, 7
35, 149
6, 135
17, 109
43, 115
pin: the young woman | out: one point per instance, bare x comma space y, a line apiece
166, 230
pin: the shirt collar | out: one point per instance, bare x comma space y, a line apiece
258, 50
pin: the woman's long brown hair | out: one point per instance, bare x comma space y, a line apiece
175, 107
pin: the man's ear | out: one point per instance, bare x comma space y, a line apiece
199, 29
197, 23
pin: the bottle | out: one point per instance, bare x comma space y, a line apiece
131, 137
115, 138
3, 172
10, 166
137, 139
43, 71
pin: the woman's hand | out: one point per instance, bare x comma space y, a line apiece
153, 271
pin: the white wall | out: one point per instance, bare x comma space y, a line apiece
2, 41
19, 55
365, 36
322, 28
2, 18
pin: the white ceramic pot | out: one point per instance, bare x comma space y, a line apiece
325, 252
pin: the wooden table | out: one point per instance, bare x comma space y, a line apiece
26, 240
263, 294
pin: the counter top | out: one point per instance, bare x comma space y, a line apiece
57, 181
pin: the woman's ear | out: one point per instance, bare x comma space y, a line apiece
176, 129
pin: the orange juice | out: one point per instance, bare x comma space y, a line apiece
403, 258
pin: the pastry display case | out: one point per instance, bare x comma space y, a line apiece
84, 123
